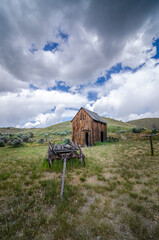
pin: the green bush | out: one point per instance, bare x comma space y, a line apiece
69, 131
40, 134
41, 140
5, 138
25, 138
154, 131
136, 130
16, 142
122, 131
63, 133
19, 135
31, 135
2, 143
66, 141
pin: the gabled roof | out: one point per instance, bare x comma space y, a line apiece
93, 115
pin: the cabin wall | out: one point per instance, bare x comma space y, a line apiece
99, 127
82, 124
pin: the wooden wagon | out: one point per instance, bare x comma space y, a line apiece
65, 152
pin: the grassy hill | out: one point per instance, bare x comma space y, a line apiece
148, 123
113, 125
11, 130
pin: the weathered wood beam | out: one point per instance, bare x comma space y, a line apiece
63, 177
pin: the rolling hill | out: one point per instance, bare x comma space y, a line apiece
67, 126
148, 123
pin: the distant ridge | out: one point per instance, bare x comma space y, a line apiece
148, 123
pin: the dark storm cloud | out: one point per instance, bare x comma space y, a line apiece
98, 34
117, 20
98, 30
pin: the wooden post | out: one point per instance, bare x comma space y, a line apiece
151, 144
63, 177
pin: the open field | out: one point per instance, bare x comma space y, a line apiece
115, 196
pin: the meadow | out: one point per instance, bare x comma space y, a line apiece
115, 196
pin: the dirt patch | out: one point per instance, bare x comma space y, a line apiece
75, 180
94, 181
50, 175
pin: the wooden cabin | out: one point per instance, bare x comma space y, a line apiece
88, 128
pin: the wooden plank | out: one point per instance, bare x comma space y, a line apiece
63, 177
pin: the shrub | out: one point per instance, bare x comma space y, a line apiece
63, 133
122, 131
40, 134
41, 140
5, 138
154, 131
66, 141
19, 135
25, 138
31, 135
2, 143
16, 142
136, 130
70, 131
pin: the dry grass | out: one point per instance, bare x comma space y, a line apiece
115, 196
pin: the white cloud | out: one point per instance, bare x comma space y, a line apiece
100, 36
36, 106
131, 93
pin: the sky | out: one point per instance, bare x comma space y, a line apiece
59, 56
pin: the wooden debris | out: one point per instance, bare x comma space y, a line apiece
59, 151
64, 151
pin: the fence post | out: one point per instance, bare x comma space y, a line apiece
151, 144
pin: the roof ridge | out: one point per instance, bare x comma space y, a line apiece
96, 117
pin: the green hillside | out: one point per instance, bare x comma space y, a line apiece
66, 126
148, 123
10, 130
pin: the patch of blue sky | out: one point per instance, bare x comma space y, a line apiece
74, 109
115, 69
137, 68
33, 48
92, 96
65, 119
53, 109
60, 86
100, 80
51, 46
63, 35
156, 44
31, 86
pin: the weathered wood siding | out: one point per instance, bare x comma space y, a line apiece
99, 127
82, 124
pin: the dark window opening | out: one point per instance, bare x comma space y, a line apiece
102, 139
86, 139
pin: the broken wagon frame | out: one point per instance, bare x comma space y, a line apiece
64, 152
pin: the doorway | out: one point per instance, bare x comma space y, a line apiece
86, 139
102, 138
